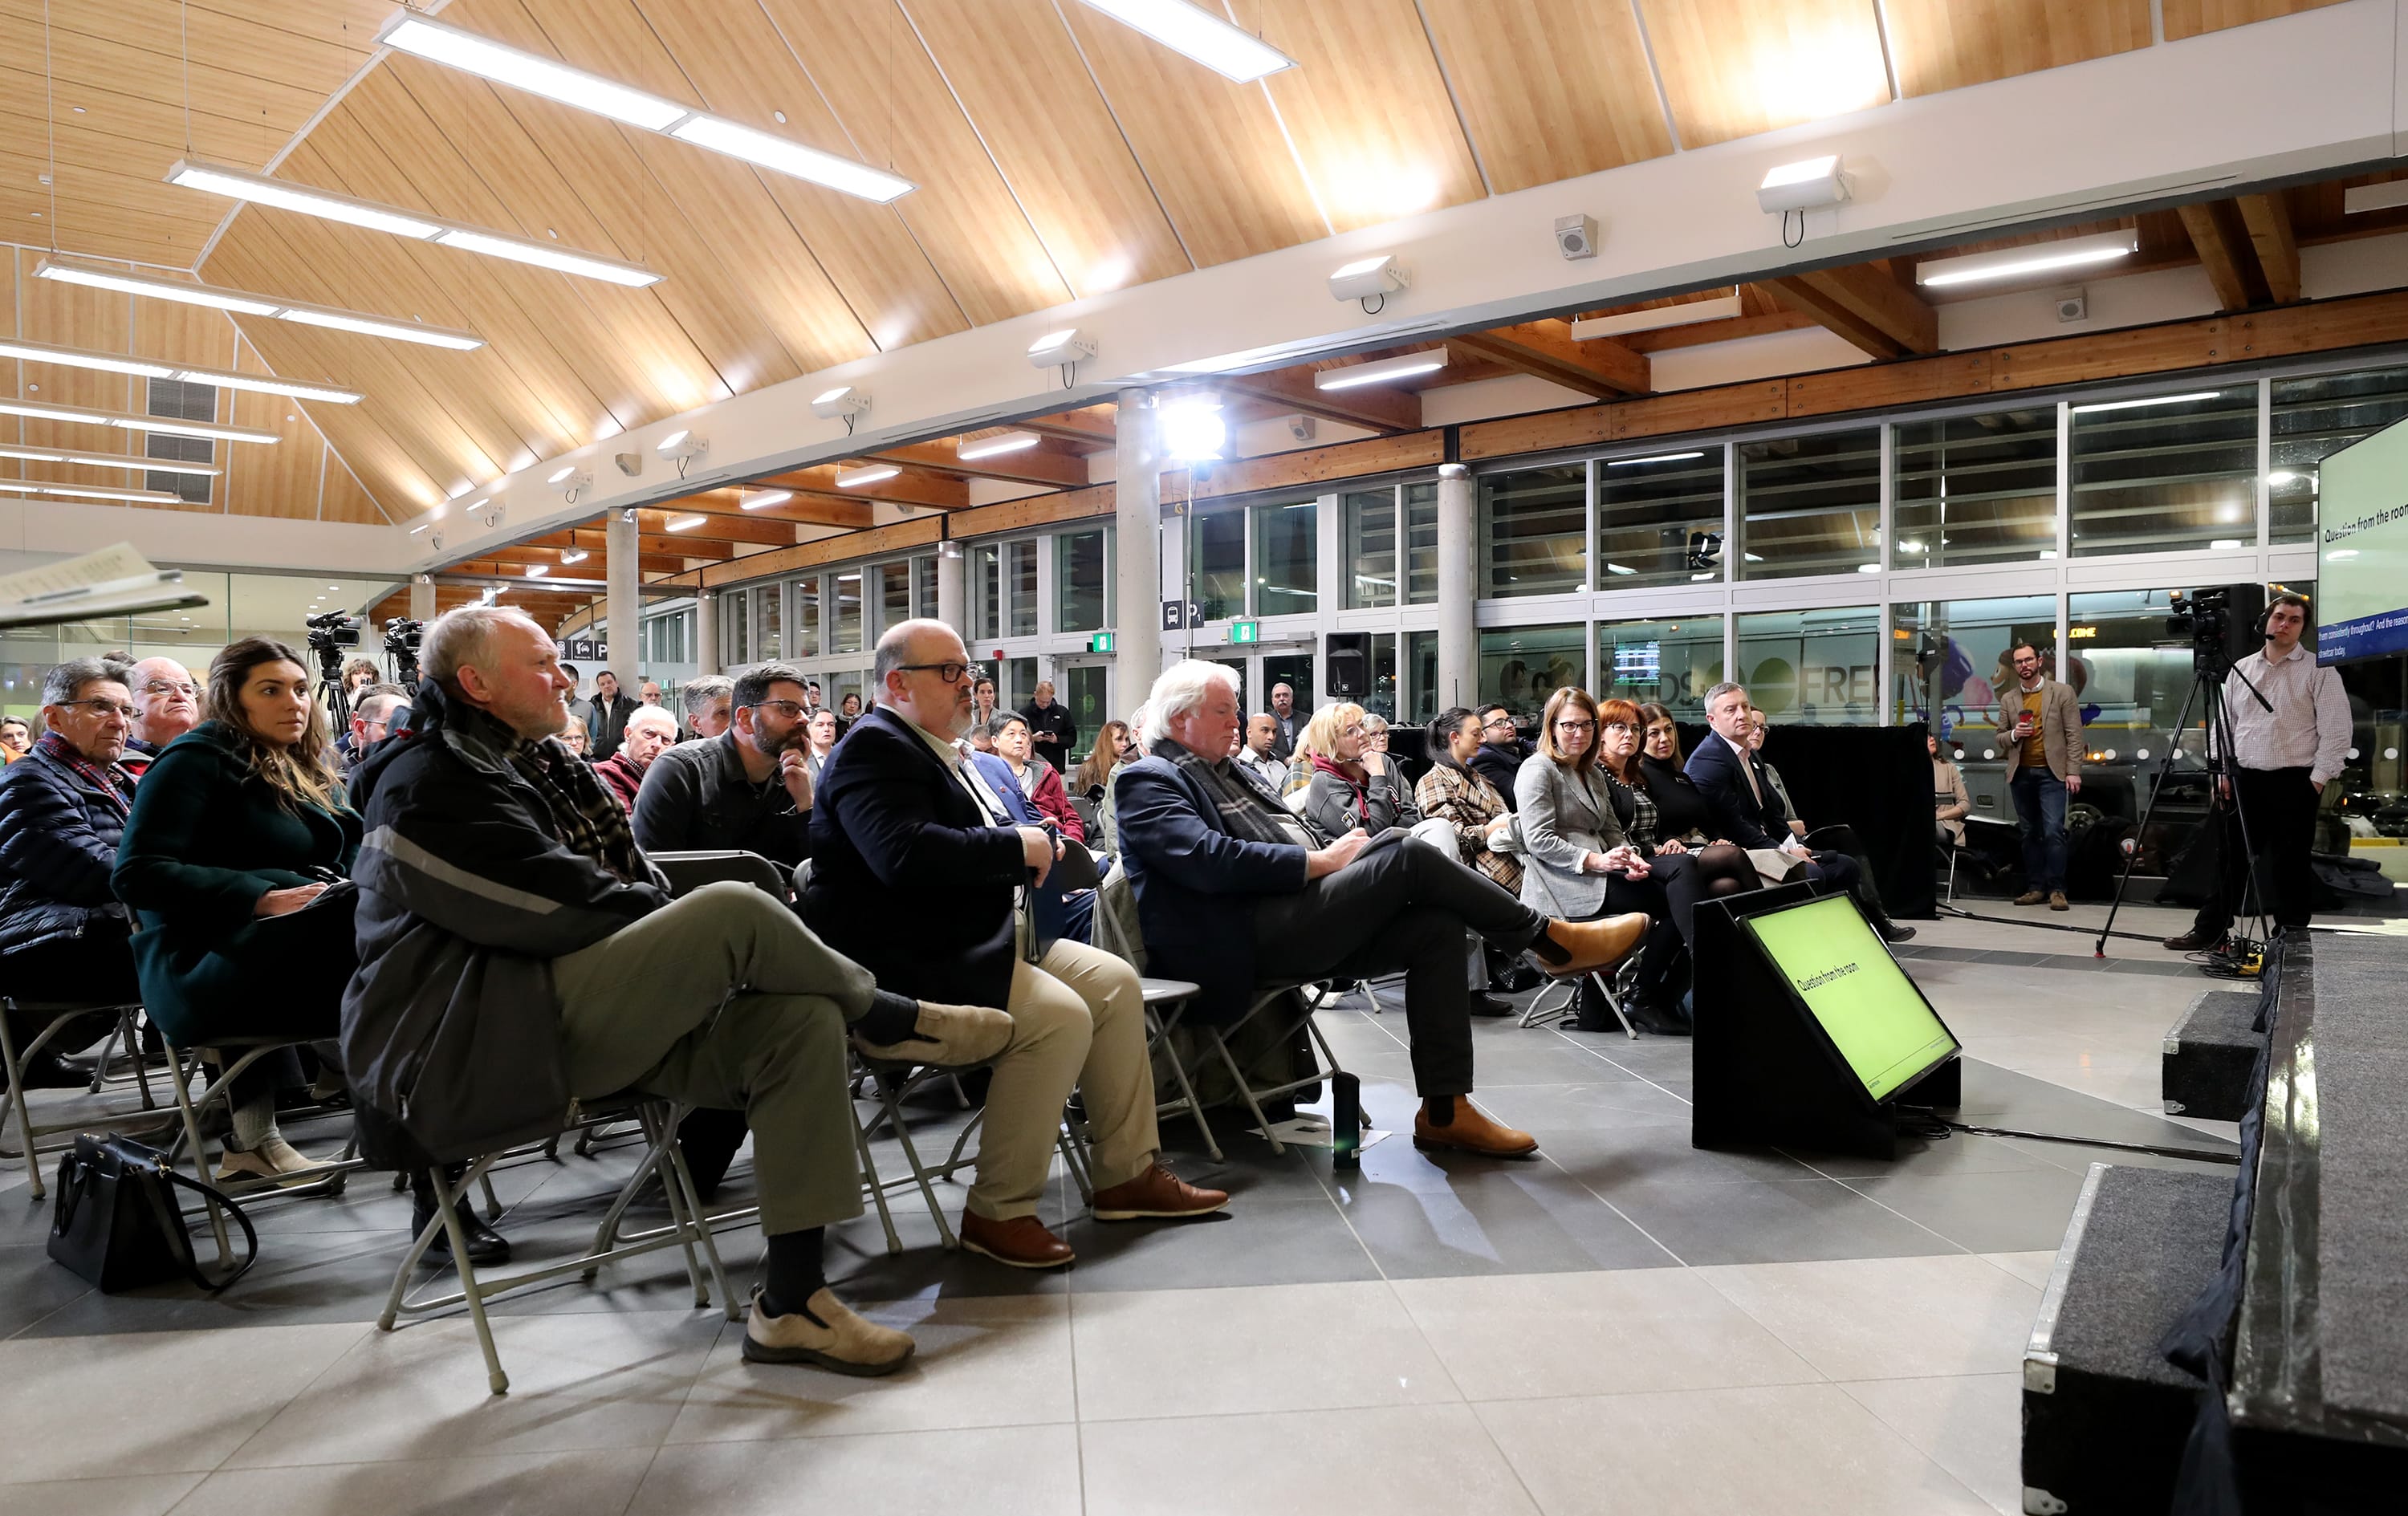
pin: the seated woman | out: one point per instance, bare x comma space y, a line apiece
1349, 785
1458, 797
1950, 801
237, 827
1690, 871
1036, 778
1577, 861
1095, 776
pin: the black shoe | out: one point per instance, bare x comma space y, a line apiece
486, 1247
1490, 1005
49, 1072
1655, 1020
1515, 978
2195, 940
1891, 932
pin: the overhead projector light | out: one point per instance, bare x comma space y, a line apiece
1370, 278
843, 401
1808, 184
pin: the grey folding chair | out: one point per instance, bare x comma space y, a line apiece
1615, 987
1166, 1000
61, 1015
235, 1054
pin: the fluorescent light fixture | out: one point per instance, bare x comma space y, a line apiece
1192, 430
853, 478
1381, 371
1367, 278
574, 555
1658, 458
1808, 185
996, 447
543, 255
2152, 400
2282, 476
1066, 346
79, 493
122, 459
1617, 568
260, 384
777, 152
573, 87
1687, 313
1869, 568
562, 475
36, 411
844, 400
243, 301
537, 571
684, 523
765, 499
1240, 57
2224, 544
109, 363
2038, 258
235, 184
2366, 197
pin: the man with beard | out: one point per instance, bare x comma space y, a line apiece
748, 788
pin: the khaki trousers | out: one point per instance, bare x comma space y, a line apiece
724, 998
1078, 1022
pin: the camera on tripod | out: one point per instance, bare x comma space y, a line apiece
402, 638
332, 629
2222, 623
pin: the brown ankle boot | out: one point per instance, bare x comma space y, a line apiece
1472, 1131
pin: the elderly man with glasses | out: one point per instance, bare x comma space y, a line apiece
166, 705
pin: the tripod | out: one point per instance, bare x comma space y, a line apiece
2208, 678
330, 685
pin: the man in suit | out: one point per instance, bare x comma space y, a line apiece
914, 867
1748, 810
2040, 721
1235, 890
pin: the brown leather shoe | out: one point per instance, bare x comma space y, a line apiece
1156, 1194
1472, 1131
2030, 897
2194, 941
1023, 1241
948, 1037
1593, 944
2057, 900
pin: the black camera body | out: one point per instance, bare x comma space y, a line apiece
402, 639
2225, 623
332, 629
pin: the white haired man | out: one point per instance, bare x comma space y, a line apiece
1235, 890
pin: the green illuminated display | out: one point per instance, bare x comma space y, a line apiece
1865, 1002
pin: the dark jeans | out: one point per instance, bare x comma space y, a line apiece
2280, 806
2040, 807
1405, 906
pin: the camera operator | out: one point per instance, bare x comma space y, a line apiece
2281, 761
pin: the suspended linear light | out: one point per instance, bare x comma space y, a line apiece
685, 523
574, 555
1658, 458
537, 571
34, 410
2039, 258
1238, 56
875, 474
767, 498
995, 447
1381, 371
413, 34
241, 184
2152, 400
43, 352
244, 303
147, 498
148, 465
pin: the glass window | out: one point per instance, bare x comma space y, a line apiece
1370, 546
2169, 471
768, 640
1421, 663
1287, 558
894, 594
1381, 698
1811, 504
2313, 420
847, 636
923, 586
1216, 563
2132, 676
1950, 659
1974, 489
1421, 545
984, 573
1670, 663
1534, 531
1520, 665
1653, 513
807, 616
1083, 692
1079, 580
1015, 679
1814, 667
735, 636
1020, 563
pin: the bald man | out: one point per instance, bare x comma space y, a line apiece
166, 705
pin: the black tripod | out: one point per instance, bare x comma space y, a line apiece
330, 684
2208, 678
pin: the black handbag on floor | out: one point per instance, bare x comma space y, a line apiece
116, 1222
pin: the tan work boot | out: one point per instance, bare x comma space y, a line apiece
2030, 897
1471, 1130
825, 1332
949, 1037
1593, 944
2057, 900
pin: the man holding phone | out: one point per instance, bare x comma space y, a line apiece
2041, 723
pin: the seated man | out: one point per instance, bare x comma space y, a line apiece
650, 733
1234, 890
746, 788
913, 870
707, 701
1052, 913
62, 809
496, 876
1010, 735
166, 705
1261, 732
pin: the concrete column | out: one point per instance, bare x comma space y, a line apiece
1459, 639
625, 604
949, 587
1136, 517
421, 599
705, 631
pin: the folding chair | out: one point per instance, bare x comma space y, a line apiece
62, 1014
239, 1054
1166, 1000
1614, 989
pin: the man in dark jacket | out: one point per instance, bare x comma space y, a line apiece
1052, 733
913, 869
608, 726
749, 788
1502, 750
62, 809
517, 951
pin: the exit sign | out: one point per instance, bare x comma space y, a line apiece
1100, 643
1245, 631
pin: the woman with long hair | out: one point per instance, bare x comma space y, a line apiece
236, 832
1689, 872
1095, 776
1349, 785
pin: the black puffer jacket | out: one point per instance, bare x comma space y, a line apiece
58, 844
451, 1040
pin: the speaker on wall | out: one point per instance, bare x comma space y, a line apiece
1348, 663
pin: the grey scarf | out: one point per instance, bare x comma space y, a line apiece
1248, 810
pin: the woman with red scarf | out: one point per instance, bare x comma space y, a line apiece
1351, 786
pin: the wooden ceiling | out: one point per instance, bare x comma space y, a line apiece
1056, 152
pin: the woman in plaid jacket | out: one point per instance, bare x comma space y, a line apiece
1454, 793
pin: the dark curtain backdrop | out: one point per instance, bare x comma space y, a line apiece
1877, 779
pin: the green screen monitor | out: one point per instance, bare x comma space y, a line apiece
1864, 1002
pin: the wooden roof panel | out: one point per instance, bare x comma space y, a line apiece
1949, 43
1732, 68
1592, 108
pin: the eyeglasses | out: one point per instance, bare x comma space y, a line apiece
1620, 727
101, 707
1494, 721
790, 708
170, 687
1575, 726
946, 673
1356, 730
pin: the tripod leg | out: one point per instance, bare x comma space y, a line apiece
2255, 887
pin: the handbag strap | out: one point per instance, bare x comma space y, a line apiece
171, 1221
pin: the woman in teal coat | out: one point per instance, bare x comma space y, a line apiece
236, 829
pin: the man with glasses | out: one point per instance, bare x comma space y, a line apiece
914, 867
1502, 750
62, 809
748, 788
166, 705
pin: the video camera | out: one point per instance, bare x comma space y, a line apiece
402, 638
2222, 623
332, 629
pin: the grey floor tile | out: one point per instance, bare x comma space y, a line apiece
1984, 1212
1753, 1223
1008, 1471
31, 1286
1256, 1242
527, 1485
1614, 1159
1393, 1460
1491, 1218
300, 1278
1963, 1153
139, 1494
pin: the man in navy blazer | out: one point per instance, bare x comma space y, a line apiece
1234, 889
914, 866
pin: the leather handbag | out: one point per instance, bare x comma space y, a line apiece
116, 1222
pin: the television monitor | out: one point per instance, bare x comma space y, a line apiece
1873, 1014
2362, 608
1638, 663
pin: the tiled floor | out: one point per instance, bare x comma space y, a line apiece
1625, 1324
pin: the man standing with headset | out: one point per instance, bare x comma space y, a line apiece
2281, 761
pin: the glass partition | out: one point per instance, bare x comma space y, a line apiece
1078, 582
2169, 471
1367, 542
1421, 543
2313, 420
1814, 667
1216, 563
1974, 489
1287, 558
1421, 666
1520, 665
1534, 531
769, 637
1654, 513
807, 616
2133, 678
1811, 504
846, 635
894, 594
985, 575
1672, 663
1020, 566
1949, 659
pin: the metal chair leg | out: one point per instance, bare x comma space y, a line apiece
887, 1098
1246, 1092
877, 1188
17, 1096
200, 1152
1158, 1034
447, 1209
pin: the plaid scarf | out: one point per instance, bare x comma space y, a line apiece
112, 782
1248, 810
586, 817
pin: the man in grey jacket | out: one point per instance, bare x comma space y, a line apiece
517, 951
